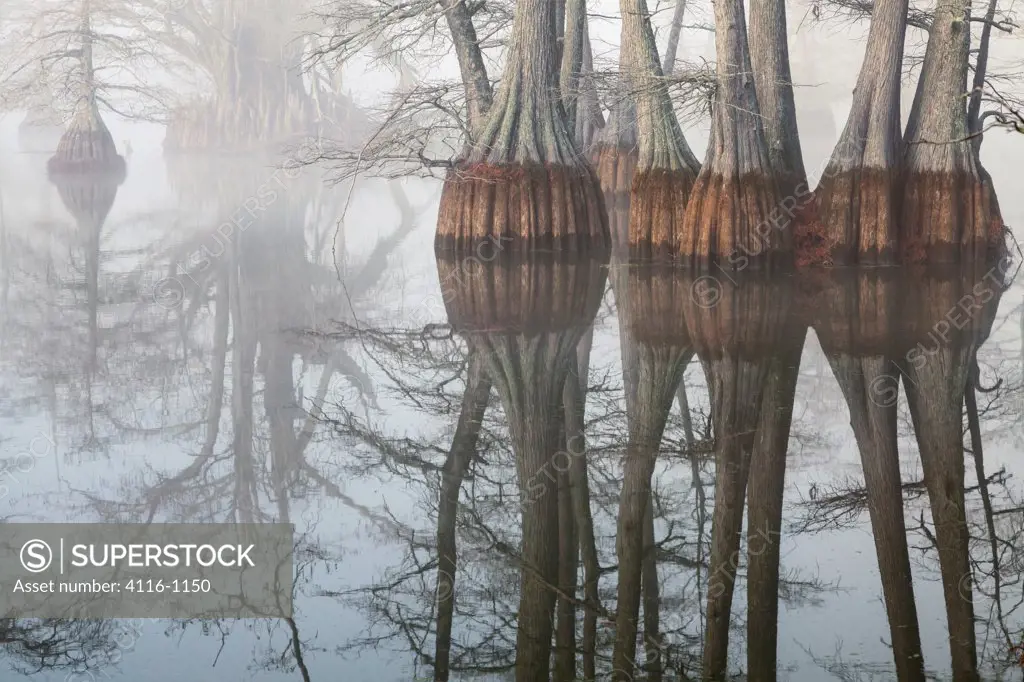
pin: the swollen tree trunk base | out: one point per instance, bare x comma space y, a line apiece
857, 211
657, 211
86, 147
949, 218
522, 208
734, 223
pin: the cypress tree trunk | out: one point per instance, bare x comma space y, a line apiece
730, 212
471, 60
948, 211
672, 47
665, 168
654, 318
615, 153
857, 206
467, 433
524, 180
572, 62
769, 55
86, 146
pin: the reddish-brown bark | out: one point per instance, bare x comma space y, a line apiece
860, 209
656, 212
522, 207
948, 218
735, 224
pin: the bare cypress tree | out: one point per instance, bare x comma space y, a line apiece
856, 201
86, 145
728, 215
769, 55
524, 179
665, 168
654, 316
615, 153
948, 208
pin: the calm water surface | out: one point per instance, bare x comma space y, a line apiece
313, 372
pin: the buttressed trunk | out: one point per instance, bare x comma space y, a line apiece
737, 329
524, 180
528, 339
615, 154
730, 212
935, 374
856, 317
856, 198
662, 349
948, 211
769, 55
665, 168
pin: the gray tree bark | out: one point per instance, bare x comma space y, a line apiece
661, 142
947, 207
769, 55
526, 123
855, 196
572, 59
471, 60
672, 48
735, 192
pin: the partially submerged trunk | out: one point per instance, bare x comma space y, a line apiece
857, 317
769, 55
948, 208
456, 465
654, 316
528, 339
737, 334
733, 213
524, 181
665, 168
857, 203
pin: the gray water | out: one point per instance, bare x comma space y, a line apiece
335, 312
